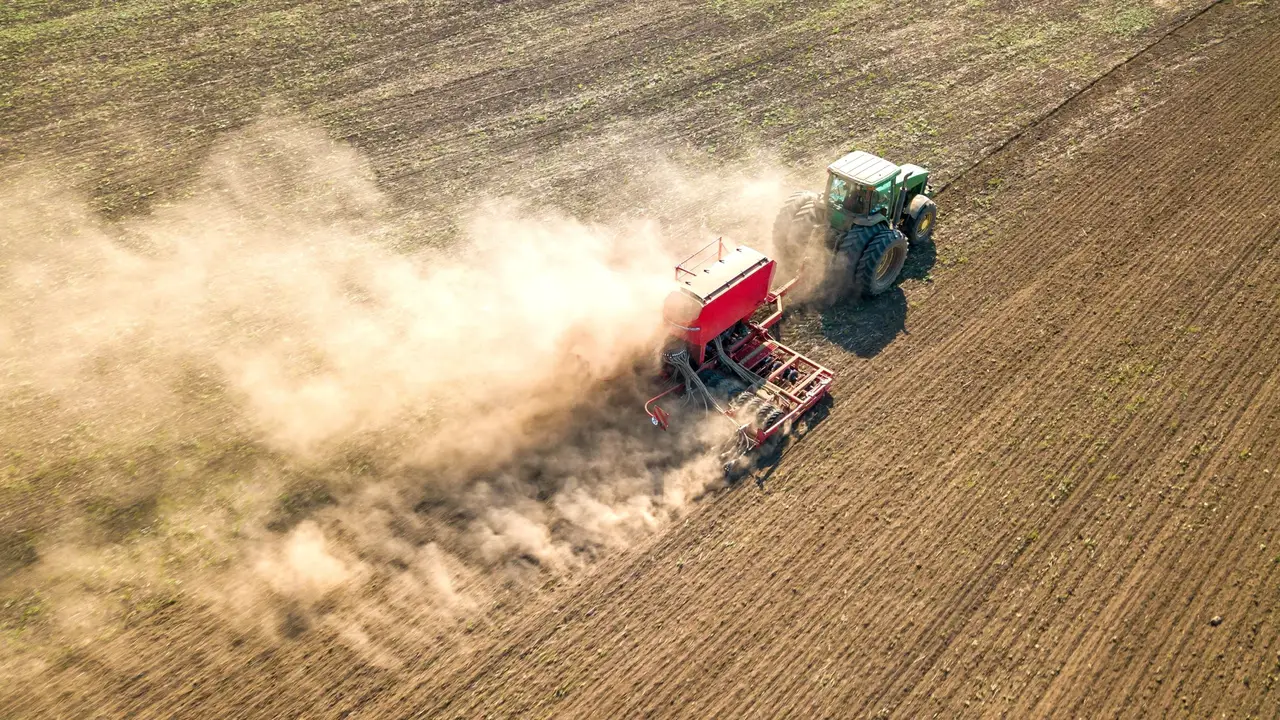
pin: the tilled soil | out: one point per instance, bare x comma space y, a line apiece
1046, 487
1056, 495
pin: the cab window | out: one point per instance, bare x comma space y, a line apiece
858, 199
839, 191
883, 194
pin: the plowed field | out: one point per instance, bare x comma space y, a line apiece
1035, 504
1049, 482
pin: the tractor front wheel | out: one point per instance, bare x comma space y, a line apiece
881, 261
921, 217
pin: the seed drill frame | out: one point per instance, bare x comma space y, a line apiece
721, 353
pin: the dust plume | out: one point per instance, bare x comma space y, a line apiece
256, 397
305, 567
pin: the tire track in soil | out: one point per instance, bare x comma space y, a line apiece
1071, 99
1225, 379
1153, 520
1137, 444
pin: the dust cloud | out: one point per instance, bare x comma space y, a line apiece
255, 396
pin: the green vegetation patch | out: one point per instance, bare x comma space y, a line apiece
1125, 19
22, 611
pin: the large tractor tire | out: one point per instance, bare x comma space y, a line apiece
881, 262
797, 221
922, 214
844, 278
798, 233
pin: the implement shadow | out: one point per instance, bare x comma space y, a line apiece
767, 458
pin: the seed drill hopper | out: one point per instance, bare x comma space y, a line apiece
722, 352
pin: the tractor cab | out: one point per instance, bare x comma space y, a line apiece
871, 211
866, 190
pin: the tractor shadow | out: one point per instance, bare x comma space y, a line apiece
920, 260
866, 326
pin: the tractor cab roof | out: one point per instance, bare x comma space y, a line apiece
863, 168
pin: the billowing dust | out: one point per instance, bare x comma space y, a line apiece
255, 400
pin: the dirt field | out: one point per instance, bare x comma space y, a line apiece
1046, 487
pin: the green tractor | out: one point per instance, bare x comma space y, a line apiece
871, 212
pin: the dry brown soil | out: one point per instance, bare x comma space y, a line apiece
1048, 483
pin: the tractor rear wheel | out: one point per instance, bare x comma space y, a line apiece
921, 217
783, 224
844, 277
798, 232
881, 261
797, 223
